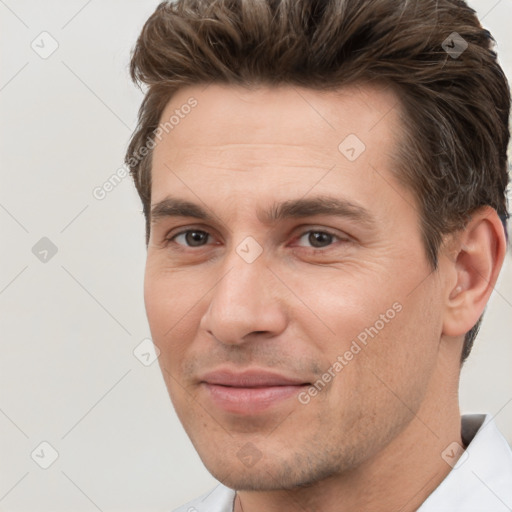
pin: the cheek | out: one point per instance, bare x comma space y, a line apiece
387, 338
169, 312
166, 294
344, 308
156, 302
399, 361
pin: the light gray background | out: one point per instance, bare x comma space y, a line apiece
68, 375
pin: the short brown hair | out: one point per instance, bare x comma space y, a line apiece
453, 155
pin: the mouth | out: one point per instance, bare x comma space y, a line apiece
249, 392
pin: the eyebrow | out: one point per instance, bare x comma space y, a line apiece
292, 208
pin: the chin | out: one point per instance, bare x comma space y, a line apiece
292, 473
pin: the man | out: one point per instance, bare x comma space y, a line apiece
324, 191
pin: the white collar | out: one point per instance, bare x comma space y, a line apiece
481, 481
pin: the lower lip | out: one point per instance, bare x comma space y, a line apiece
250, 400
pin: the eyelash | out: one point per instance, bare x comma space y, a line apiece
323, 231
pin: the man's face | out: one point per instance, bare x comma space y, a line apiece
253, 305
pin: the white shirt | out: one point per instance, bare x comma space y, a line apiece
480, 481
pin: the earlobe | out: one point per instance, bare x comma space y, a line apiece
479, 254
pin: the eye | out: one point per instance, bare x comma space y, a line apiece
191, 238
316, 239
319, 239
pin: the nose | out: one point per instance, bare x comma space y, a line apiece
246, 303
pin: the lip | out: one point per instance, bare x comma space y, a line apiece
249, 392
249, 379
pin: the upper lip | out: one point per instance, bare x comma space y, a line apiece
249, 379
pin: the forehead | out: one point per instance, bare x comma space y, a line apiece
225, 114
221, 139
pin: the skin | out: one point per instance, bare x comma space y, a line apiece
372, 438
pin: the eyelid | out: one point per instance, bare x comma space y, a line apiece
321, 230
178, 230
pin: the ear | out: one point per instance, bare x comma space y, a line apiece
477, 254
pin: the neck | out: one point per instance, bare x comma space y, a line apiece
398, 478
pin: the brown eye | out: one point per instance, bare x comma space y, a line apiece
192, 237
318, 239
